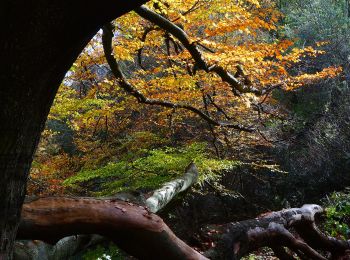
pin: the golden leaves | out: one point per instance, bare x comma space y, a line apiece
303, 79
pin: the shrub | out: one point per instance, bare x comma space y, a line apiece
149, 171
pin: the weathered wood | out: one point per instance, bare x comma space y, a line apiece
69, 246
169, 190
235, 240
144, 235
133, 228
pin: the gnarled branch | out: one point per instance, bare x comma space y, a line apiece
144, 235
236, 85
129, 88
71, 245
235, 240
133, 228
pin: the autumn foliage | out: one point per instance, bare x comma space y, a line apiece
242, 37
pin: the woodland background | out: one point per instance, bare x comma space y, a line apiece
277, 138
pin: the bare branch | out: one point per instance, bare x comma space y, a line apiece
129, 88
143, 39
194, 7
236, 85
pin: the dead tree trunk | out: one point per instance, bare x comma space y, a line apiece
294, 229
69, 246
169, 190
144, 235
133, 228
40, 39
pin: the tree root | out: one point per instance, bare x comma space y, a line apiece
293, 228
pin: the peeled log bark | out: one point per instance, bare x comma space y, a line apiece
133, 228
169, 190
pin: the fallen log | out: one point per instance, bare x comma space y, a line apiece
133, 228
169, 190
293, 228
144, 235
69, 246
141, 233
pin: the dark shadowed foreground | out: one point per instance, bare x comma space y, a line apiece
144, 235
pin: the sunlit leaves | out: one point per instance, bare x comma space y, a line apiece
229, 33
152, 170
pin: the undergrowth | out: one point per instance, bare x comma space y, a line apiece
149, 171
337, 207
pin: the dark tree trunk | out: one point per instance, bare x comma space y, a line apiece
40, 39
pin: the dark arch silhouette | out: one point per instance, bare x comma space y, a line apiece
40, 39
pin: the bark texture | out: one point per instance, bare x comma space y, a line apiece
40, 39
132, 227
169, 190
293, 228
144, 235
69, 246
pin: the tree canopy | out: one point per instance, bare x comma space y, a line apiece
186, 71
205, 112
